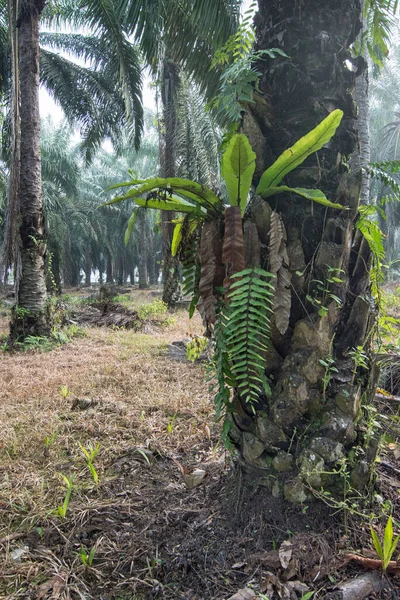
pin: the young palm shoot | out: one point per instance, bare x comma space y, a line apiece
69, 482
386, 550
87, 558
90, 454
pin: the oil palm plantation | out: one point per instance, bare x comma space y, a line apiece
112, 24
80, 236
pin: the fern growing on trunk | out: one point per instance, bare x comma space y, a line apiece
247, 331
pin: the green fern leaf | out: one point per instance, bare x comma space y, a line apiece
237, 169
130, 226
246, 330
176, 238
297, 154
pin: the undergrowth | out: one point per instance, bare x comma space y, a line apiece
41, 343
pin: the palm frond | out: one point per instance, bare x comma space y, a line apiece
88, 99
198, 137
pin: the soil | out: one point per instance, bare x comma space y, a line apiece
172, 516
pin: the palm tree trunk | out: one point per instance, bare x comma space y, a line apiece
362, 100
10, 251
313, 418
151, 257
170, 84
143, 251
109, 269
30, 315
88, 266
120, 269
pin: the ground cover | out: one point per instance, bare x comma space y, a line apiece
168, 517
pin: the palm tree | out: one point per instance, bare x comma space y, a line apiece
30, 313
305, 429
113, 22
60, 171
309, 420
188, 148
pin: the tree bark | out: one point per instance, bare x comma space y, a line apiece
88, 266
360, 588
30, 316
170, 84
295, 438
151, 256
109, 270
10, 254
362, 100
143, 251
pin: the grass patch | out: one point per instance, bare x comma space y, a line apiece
112, 390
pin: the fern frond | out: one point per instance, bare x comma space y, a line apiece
372, 233
247, 330
374, 237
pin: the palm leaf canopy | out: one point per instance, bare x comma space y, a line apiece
191, 29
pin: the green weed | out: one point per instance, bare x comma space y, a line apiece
69, 482
90, 454
155, 308
171, 423
87, 559
386, 550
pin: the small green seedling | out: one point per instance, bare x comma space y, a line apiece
143, 455
40, 531
386, 552
360, 360
69, 482
64, 392
90, 454
50, 439
87, 559
329, 365
171, 423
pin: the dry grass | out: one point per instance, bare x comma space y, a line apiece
154, 537
139, 398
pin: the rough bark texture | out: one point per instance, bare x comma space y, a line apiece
297, 436
212, 270
151, 255
109, 270
170, 83
362, 99
360, 588
30, 315
10, 250
233, 248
